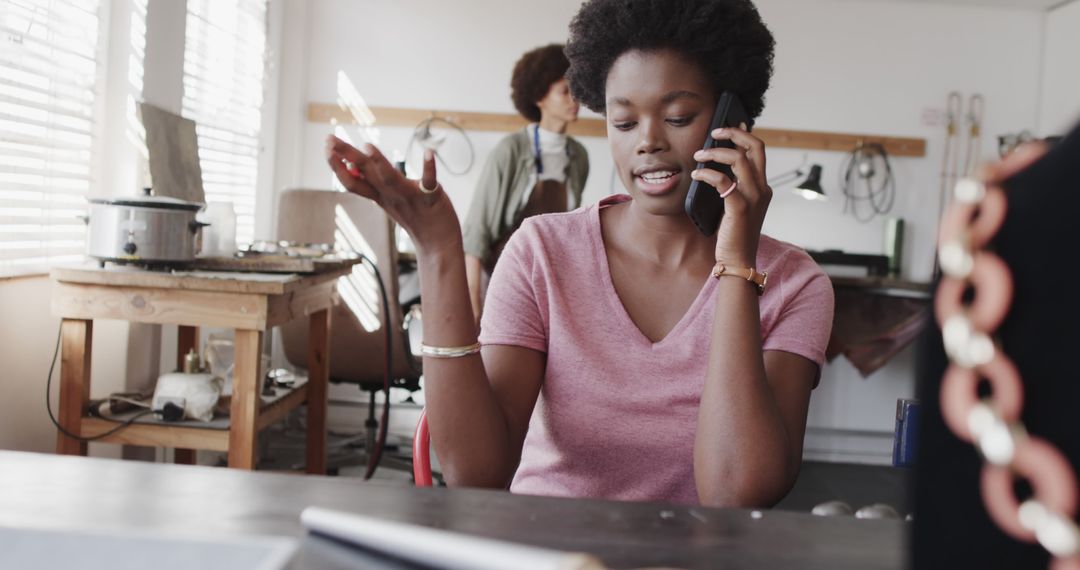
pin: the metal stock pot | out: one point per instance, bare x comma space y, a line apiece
148, 229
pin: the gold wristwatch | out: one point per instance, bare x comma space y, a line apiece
748, 273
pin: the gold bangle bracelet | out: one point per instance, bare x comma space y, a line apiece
449, 351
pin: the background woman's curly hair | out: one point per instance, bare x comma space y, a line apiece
727, 38
533, 75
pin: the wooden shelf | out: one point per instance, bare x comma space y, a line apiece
190, 434
154, 435
504, 122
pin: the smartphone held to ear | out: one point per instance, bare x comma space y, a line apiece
703, 202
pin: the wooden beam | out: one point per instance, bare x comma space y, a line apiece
284, 308
157, 435
318, 382
159, 306
244, 408
187, 340
504, 122
840, 142
76, 343
238, 283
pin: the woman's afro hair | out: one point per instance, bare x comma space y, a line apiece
533, 76
725, 37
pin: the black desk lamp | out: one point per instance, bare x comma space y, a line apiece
811, 187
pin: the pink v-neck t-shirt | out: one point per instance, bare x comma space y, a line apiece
617, 413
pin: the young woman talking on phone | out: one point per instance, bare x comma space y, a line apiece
623, 353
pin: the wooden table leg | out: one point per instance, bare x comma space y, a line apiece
76, 341
244, 412
317, 399
187, 339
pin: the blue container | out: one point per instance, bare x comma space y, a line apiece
906, 438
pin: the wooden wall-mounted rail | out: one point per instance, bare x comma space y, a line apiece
504, 122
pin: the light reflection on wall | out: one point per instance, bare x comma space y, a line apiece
350, 100
359, 289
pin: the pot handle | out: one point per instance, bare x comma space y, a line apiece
197, 225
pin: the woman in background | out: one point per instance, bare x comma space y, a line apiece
537, 170
625, 355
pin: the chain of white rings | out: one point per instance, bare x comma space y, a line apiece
993, 424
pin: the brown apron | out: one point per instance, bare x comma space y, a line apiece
547, 197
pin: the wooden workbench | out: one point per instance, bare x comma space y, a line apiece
249, 303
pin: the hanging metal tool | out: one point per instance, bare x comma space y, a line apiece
974, 141
950, 158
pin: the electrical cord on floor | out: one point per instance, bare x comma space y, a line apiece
375, 455
48, 404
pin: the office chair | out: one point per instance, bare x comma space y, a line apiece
357, 339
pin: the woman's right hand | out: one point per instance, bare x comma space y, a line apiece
428, 217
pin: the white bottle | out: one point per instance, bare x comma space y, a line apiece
219, 238
194, 390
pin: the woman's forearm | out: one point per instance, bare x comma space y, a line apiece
468, 428
741, 449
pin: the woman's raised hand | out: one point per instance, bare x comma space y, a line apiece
419, 206
746, 199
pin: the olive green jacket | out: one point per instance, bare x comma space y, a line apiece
498, 198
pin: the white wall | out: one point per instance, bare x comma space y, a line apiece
27, 340
868, 67
1060, 109
451, 55
842, 66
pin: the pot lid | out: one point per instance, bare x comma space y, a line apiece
150, 201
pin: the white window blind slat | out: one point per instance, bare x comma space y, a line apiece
63, 98
224, 72
48, 84
19, 165
43, 219
34, 106
51, 122
226, 140
86, 9
33, 140
34, 21
54, 255
66, 45
22, 192
63, 89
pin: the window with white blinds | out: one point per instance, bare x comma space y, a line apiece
48, 80
224, 68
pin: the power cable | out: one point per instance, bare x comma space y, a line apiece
48, 404
375, 455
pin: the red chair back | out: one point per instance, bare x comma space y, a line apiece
422, 452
